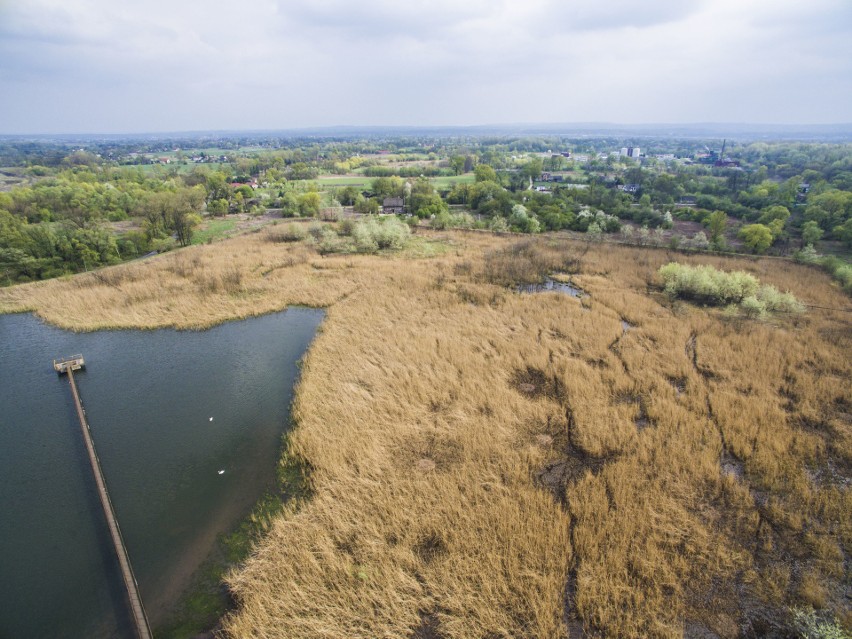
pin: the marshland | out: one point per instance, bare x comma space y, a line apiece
482, 462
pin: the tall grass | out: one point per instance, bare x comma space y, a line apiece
490, 464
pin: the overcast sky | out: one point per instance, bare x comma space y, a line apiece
120, 66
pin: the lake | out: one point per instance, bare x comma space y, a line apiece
149, 397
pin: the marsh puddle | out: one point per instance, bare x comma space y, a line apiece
552, 285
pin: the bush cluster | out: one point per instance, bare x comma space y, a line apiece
372, 235
365, 236
738, 289
288, 233
834, 266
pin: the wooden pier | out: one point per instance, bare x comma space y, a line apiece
74, 363
143, 629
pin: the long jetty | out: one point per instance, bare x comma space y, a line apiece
143, 628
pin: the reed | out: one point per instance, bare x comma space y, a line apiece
485, 463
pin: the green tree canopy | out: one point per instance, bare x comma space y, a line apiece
716, 223
758, 237
484, 173
811, 233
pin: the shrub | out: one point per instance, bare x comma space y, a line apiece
753, 307
837, 268
498, 224
706, 284
807, 255
345, 227
392, 234
441, 221
810, 625
843, 274
699, 241
329, 242
316, 230
289, 233
775, 301
372, 235
364, 236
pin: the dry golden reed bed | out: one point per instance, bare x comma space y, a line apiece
490, 464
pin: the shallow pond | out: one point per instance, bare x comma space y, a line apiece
177, 478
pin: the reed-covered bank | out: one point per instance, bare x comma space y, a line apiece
485, 463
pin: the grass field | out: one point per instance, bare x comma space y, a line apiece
351, 180
485, 463
365, 182
213, 229
448, 181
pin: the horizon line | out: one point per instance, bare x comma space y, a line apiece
763, 127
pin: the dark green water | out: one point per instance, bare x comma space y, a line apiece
149, 396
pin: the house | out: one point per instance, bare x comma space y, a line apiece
631, 188
393, 205
687, 200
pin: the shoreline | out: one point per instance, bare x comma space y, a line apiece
206, 600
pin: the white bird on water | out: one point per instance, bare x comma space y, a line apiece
221, 472
211, 419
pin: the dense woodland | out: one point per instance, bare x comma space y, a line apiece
73, 208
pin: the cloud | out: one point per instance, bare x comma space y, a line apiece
161, 65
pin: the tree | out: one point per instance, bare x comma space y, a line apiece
457, 164
309, 204
218, 207
532, 169
217, 187
347, 195
388, 186
757, 237
301, 171
811, 233
716, 223
484, 173
773, 213
240, 202
830, 208
777, 229
184, 223
843, 232
366, 206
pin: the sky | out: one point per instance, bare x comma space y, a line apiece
136, 66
